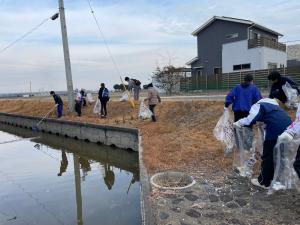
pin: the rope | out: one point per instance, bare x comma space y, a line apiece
103, 37
24, 35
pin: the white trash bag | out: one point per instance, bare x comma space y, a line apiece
90, 98
145, 112
124, 97
97, 107
291, 95
249, 149
285, 176
224, 132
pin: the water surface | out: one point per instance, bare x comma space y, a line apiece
49, 180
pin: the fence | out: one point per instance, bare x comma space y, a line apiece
227, 81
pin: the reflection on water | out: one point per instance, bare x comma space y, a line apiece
54, 180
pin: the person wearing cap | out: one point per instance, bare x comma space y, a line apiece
58, 103
153, 99
135, 85
242, 97
276, 120
276, 88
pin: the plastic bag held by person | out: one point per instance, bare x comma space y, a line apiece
249, 148
124, 97
285, 176
89, 97
145, 112
291, 95
224, 131
97, 107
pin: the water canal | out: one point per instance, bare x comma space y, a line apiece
48, 180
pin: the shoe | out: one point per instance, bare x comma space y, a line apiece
255, 182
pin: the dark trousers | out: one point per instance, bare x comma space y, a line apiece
151, 107
78, 107
239, 115
267, 164
59, 111
297, 162
103, 108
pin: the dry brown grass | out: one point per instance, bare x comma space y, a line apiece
182, 138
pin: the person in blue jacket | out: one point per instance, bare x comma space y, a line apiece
276, 121
242, 97
276, 88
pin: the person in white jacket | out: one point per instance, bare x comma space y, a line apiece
289, 134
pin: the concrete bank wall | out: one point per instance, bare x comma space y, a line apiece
125, 138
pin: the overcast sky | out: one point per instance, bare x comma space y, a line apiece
141, 34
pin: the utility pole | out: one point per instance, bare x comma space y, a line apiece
66, 55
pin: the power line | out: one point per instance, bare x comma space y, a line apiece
24, 35
103, 37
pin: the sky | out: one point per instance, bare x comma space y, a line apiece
141, 35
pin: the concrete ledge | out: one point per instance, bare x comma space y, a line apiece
125, 138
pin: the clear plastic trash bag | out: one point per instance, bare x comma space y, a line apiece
145, 112
248, 149
97, 107
291, 95
124, 97
285, 176
90, 98
224, 132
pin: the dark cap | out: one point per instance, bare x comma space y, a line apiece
274, 75
52, 92
248, 78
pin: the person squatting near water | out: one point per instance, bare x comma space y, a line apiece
58, 102
135, 85
103, 96
276, 121
153, 99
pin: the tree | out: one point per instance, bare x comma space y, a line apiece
116, 87
120, 87
167, 78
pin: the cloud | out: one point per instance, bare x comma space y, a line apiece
141, 35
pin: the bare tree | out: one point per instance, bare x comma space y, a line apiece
167, 78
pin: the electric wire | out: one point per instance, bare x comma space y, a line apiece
103, 37
24, 35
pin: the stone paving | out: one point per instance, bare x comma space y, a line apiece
231, 200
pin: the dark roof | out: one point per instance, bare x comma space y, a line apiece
235, 20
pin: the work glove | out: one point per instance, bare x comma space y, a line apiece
225, 109
237, 125
285, 137
56, 105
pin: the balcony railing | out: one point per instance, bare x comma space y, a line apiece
266, 42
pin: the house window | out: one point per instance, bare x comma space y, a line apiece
272, 65
246, 66
237, 67
230, 36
